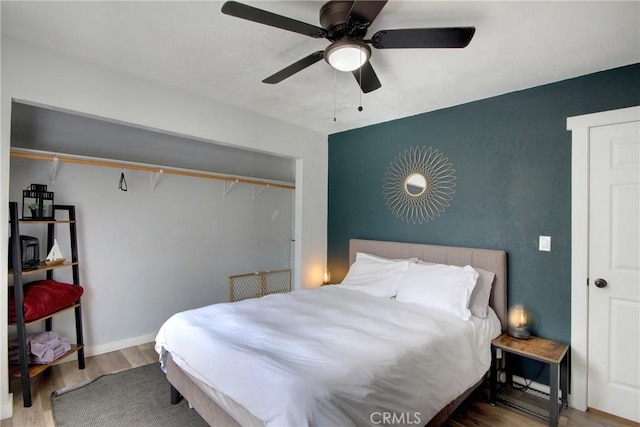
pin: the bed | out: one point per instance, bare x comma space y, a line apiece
332, 403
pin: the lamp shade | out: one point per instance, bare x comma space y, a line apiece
347, 55
517, 316
518, 320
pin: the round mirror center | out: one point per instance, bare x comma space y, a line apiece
415, 184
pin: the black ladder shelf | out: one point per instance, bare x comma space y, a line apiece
24, 371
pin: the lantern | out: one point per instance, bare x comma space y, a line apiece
37, 203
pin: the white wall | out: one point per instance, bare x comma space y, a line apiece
40, 76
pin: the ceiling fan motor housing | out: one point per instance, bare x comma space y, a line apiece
334, 17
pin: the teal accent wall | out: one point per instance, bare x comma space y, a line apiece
512, 156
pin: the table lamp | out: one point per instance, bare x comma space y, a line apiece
518, 322
326, 279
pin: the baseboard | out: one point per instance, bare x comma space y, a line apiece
95, 350
6, 409
533, 385
119, 345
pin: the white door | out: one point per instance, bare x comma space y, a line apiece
614, 270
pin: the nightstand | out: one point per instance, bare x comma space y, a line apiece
553, 353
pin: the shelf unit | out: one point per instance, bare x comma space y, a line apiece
24, 370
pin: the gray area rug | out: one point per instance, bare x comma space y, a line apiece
137, 397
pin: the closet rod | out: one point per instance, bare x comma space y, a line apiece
139, 167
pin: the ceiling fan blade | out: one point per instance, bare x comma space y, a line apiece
456, 37
365, 12
369, 81
260, 16
294, 68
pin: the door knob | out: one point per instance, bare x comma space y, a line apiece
601, 283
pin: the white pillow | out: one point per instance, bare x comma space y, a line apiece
374, 276
480, 296
363, 255
479, 302
443, 287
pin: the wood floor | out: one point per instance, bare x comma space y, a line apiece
66, 375
474, 412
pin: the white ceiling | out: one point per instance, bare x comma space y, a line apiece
194, 47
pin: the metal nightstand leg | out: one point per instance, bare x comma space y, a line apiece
564, 381
553, 396
493, 377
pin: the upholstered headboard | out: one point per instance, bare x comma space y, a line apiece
487, 259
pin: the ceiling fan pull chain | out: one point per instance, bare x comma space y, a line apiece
335, 92
359, 89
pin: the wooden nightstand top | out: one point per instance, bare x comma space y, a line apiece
535, 348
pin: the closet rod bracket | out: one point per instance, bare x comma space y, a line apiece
54, 169
226, 188
155, 176
256, 193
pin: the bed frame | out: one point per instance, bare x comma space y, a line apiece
488, 259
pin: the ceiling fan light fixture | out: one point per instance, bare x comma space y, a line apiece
347, 55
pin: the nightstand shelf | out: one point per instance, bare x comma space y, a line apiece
539, 404
528, 400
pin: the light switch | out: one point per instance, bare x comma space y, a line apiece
545, 243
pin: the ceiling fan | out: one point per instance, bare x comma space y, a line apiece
345, 24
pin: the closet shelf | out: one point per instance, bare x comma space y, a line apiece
29, 154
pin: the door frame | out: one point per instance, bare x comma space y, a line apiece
580, 127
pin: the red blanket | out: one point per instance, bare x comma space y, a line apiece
44, 297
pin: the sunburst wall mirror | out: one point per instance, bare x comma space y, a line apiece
419, 184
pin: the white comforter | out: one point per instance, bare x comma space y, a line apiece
331, 356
